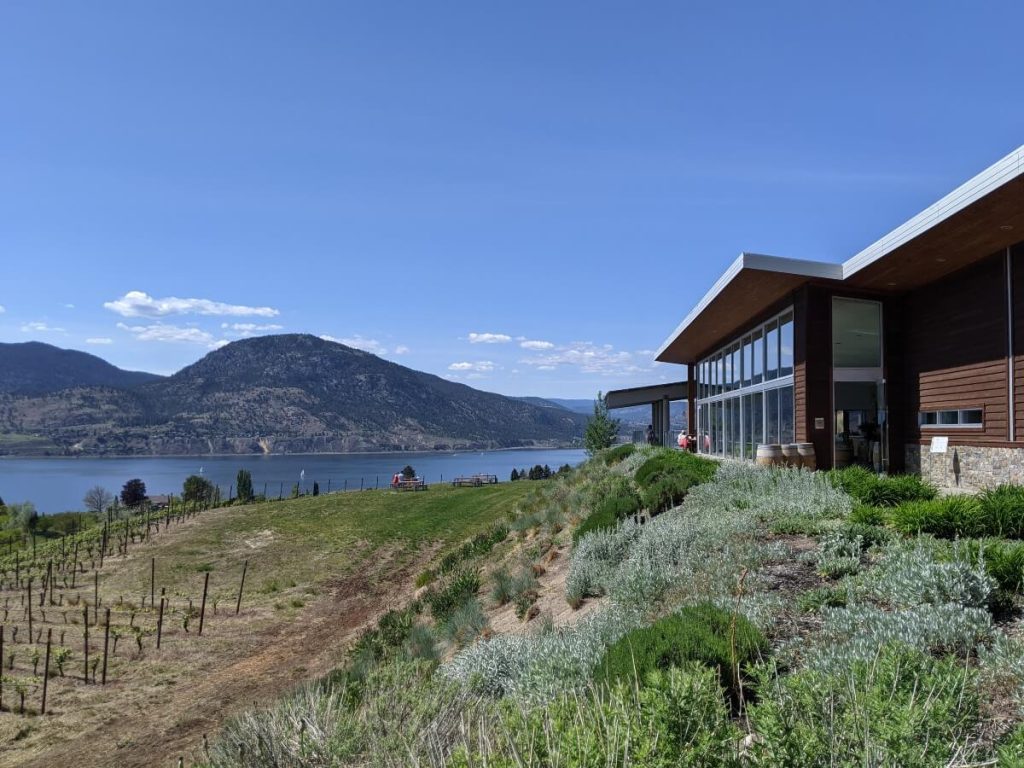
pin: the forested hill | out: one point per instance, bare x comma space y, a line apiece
287, 393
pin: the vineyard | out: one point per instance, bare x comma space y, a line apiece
128, 642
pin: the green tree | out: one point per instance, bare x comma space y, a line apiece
133, 493
244, 483
515, 474
408, 472
197, 489
316, 488
602, 429
22, 517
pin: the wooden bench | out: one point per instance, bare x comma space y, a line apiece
475, 481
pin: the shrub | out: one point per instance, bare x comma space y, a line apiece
880, 490
620, 502
947, 517
1005, 564
813, 600
724, 641
866, 515
462, 586
465, 622
1003, 510
1010, 751
503, 589
901, 707
676, 718
618, 453
909, 576
666, 492
838, 555
670, 462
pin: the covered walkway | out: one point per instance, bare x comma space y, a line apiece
658, 397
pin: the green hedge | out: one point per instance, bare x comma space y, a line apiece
703, 633
672, 462
620, 502
618, 453
999, 512
881, 490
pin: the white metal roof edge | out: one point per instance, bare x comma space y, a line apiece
997, 174
755, 261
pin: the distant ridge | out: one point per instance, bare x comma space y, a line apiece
272, 394
34, 368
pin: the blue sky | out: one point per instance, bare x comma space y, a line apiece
527, 196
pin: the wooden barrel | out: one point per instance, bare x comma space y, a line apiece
808, 459
769, 454
844, 455
790, 455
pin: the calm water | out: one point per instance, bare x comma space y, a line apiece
58, 485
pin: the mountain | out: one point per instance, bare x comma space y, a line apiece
289, 393
34, 368
576, 406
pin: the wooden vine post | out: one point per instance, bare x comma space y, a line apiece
1, 667
95, 599
46, 669
152, 581
29, 594
241, 586
106, 644
85, 644
160, 620
202, 609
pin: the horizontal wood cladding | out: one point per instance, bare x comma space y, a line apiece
955, 333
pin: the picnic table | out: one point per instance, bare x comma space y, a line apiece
414, 484
474, 481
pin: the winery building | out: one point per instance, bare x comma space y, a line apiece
909, 356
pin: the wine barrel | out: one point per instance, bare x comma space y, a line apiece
808, 459
790, 455
769, 455
844, 455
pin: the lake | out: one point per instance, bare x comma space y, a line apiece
58, 485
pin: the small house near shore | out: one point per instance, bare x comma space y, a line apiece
908, 356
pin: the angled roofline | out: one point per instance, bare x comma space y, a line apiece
760, 262
996, 175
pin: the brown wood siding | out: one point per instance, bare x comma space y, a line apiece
1017, 255
955, 341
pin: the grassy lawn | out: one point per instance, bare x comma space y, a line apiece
319, 569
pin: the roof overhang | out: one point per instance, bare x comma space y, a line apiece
978, 218
624, 398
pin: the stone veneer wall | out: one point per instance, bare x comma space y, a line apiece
966, 466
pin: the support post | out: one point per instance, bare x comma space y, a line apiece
202, 609
241, 586
46, 669
106, 645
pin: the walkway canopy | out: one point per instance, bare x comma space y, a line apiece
658, 397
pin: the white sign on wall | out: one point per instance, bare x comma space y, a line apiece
940, 444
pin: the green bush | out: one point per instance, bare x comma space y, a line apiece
879, 490
620, 502
503, 589
671, 462
1010, 750
902, 707
1005, 563
813, 600
464, 623
1003, 508
947, 518
866, 515
618, 453
666, 492
703, 633
443, 602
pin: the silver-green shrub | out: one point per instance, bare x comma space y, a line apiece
911, 575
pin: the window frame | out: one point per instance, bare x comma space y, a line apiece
937, 413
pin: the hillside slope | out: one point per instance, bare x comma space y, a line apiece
288, 393
36, 368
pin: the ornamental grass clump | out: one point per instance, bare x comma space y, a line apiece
1003, 511
877, 490
897, 707
948, 518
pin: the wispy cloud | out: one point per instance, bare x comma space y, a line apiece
372, 346
40, 327
591, 358
401, 349
69, 306
489, 338
141, 304
244, 330
480, 366
536, 344
173, 334
99, 340
2, 310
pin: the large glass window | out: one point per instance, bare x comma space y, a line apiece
856, 333
756, 420
786, 426
786, 345
748, 360
757, 372
772, 416
736, 447
771, 341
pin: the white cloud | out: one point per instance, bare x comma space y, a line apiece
99, 340
536, 345
141, 304
69, 306
481, 366
244, 330
372, 346
2, 310
489, 338
38, 327
588, 357
173, 334
401, 349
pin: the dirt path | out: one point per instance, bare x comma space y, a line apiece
258, 666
